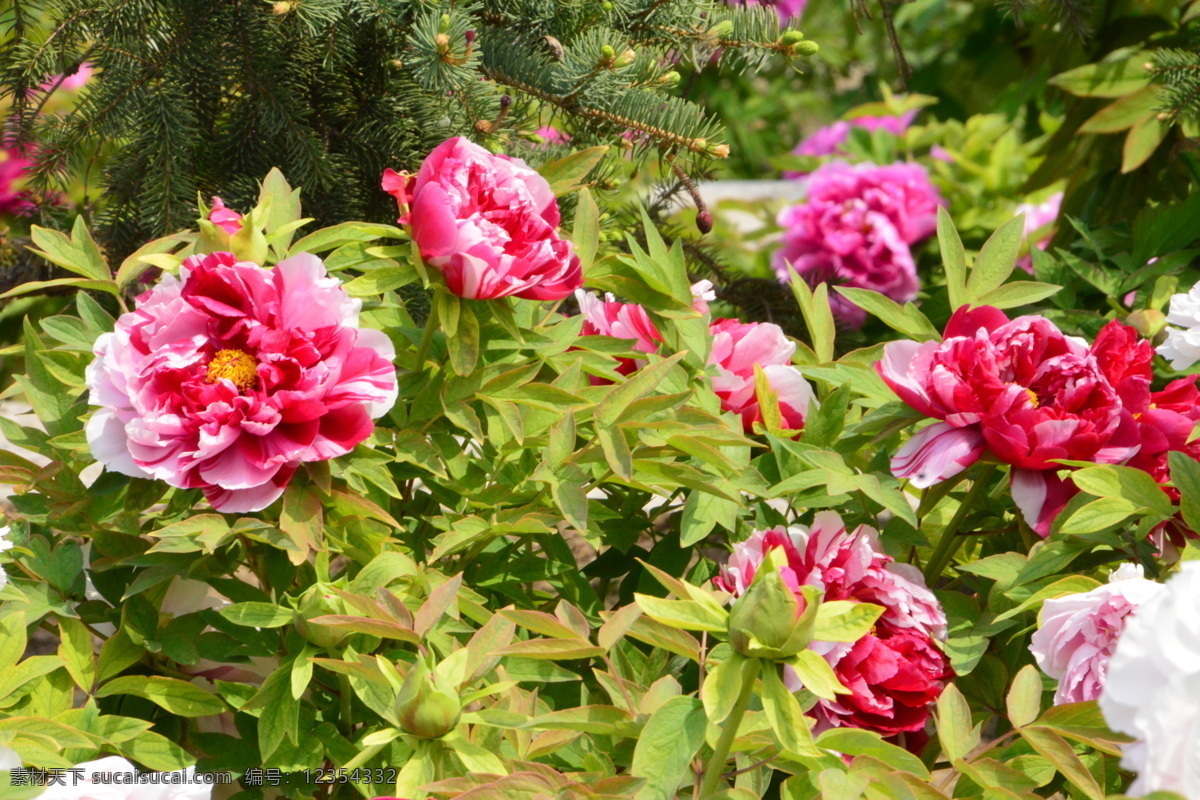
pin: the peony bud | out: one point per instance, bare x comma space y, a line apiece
319, 601
249, 244
1148, 322
704, 221
425, 709
771, 620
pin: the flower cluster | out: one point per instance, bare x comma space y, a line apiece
1078, 633
737, 348
894, 673
230, 376
1152, 691
1028, 395
855, 229
488, 222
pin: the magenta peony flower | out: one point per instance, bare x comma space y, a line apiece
855, 228
225, 218
896, 672
13, 166
1077, 634
788, 10
229, 377
488, 223
1022, 391
737, 348
552, 135
828, 140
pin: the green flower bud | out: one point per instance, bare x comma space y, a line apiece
625, 59
1148, 322
213, 238
669, 80
607, 53
319, 601
424, 708
790, 38
770, 620
249, 244
444, 23
806, 48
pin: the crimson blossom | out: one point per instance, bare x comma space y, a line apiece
1024, 393
230, 376
488, 223
896, 672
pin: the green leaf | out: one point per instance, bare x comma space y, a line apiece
603, 720
564, 174
172, 694
553, 649
79, 253
668, 742
1185, 474
78, 283
722, 686
1128, 483
816, 675
117, 654
787, 720
1024, 700
12, 640
280, 717
845, 620
818, 316
1071, 584
1141, 142
1105, 79
463, 343
996, 259
1124, 113
616, 450
156, 752
1019, 293
586, 234
1098, 515
906, 319
609, 410
257, 615
1054, 748
134, 265
686, 615
75, 649
954, 729
954, 258
857, 742
345, 233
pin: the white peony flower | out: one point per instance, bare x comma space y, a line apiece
114, 778
1152, 691
5, 542
1182, 347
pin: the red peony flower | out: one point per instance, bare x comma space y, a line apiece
488, 222
896, 672
1022, 391
230, 376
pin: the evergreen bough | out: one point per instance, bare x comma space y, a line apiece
197, 96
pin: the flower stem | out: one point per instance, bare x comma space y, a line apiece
948, 545
345, 700
716, 764
431, 326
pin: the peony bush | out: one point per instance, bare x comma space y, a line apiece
279, 528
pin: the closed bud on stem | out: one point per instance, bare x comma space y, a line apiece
607, 55
790, 38
470, 37
806, 48
249, 244
442, 40
1149, 322
319, 601
281, 8
669, 80
704, 221
771, 620
625, 59
444, 23
424, 708
717, 150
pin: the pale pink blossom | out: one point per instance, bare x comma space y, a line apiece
737, 347
828, 140
1038, 219
1077, 634
230, 376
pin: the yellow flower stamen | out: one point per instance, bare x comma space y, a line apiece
237, 366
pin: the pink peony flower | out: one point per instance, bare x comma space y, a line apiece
551, 135
1038, 218
225, 218
76, 80
488, 223
828, 140
788, 10
1021, 390
1077, 634
896, 672
229, 377
737, 348
855, 228
609, 317
13, 166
